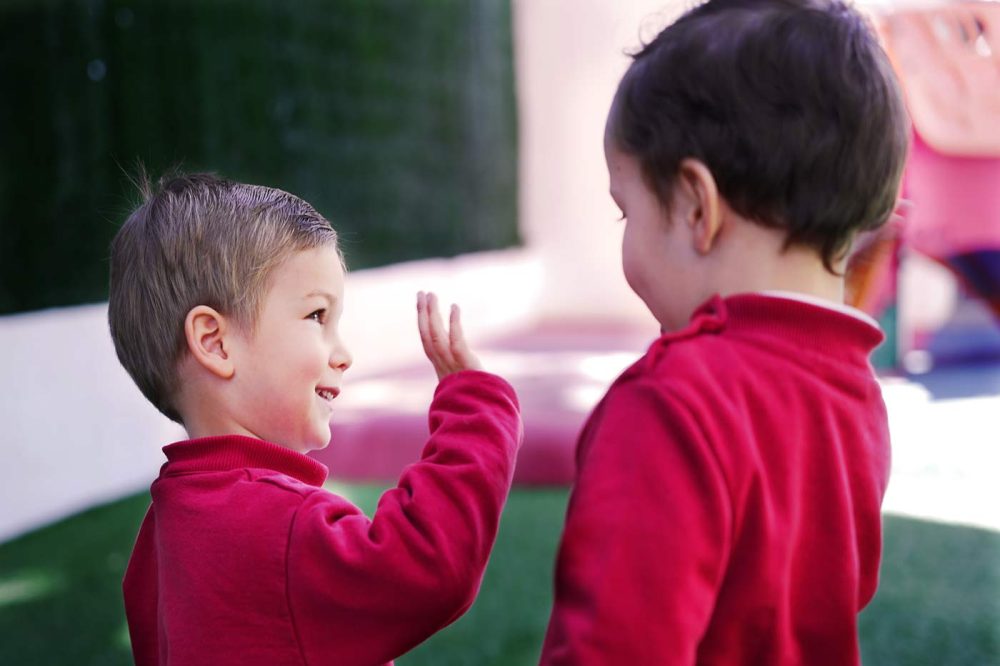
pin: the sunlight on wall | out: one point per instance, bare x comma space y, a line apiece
587, 377
944, 457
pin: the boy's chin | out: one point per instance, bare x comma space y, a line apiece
318, 447
318, 443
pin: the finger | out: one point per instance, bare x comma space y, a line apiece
423, 325
439, 337
457, 336
455, 333
459, 347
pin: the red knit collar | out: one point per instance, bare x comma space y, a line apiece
798, 322
813, 325
226, 452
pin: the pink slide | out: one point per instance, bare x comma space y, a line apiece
948, 61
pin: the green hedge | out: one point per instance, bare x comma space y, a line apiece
396, 119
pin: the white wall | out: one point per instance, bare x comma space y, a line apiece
74, 430
497, 291
569, 58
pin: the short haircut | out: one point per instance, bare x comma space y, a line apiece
197, 239
791, 104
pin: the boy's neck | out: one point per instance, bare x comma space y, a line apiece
755, 260
808, 277
202, 405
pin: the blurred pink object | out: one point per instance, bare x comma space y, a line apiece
956, 202
948, 61
947, 57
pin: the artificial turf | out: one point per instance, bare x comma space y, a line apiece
60, 591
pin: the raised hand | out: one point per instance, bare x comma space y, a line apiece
446, 349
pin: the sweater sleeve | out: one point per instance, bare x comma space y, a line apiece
139, 588
365, 591
646, 536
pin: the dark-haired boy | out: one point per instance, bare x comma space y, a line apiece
727, 502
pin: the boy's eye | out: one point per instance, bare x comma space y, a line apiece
318, 315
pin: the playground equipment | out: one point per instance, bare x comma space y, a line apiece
947, 56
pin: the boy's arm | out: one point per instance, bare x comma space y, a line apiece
365, 591
646, 537
139, 588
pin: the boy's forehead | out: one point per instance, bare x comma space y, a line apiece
313, 272
608, 144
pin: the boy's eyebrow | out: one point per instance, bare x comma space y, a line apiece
322, 294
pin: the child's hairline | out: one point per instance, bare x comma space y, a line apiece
253, 313
661, 186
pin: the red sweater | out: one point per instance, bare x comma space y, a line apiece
244, 559
726, 506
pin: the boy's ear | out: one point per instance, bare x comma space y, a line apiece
207, 333
704, 214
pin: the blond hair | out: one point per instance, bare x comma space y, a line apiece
197, 239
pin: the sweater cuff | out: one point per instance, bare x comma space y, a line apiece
478, 379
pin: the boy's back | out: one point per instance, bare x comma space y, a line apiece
726, 505
738, 466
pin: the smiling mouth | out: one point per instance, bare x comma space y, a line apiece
327, 394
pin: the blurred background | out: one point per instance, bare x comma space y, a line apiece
456, 146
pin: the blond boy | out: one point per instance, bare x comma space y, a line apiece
224, 307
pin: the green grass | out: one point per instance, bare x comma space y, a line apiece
939, 599
60, 589
60, 600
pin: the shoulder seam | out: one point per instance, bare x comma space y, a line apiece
303, 492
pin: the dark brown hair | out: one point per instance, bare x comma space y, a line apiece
791, 104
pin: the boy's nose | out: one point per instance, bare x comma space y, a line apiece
340, 359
